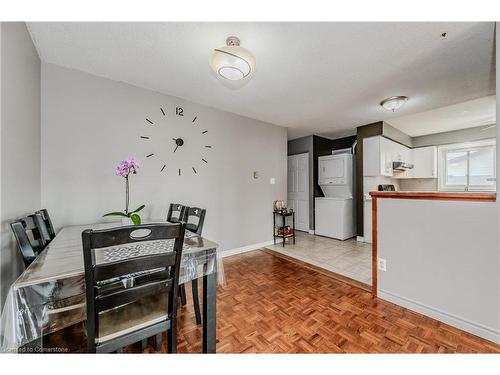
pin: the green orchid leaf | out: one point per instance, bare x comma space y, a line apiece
138, 209
116, 213
136, 219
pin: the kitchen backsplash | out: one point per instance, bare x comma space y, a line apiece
371, 183
419, 184
412, 184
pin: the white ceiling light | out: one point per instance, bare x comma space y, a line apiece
232, 61
394, 102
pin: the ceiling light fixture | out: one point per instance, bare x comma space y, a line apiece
232, 62
394, 102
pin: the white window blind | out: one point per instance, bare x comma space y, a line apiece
468, 167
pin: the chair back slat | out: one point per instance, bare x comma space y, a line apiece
122, 297
133, 265
40, 231
176, 208
23, 242
199, 215
50, 232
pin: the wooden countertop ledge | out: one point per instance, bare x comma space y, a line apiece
431, 195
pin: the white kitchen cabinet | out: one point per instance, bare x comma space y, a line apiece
377, 156
380, 152
402, 153
424, 160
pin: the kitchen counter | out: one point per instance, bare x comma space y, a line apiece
431, 195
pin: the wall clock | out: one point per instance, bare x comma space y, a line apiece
176, 141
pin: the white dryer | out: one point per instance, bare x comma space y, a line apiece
335, 215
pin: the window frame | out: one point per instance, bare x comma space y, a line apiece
464, 147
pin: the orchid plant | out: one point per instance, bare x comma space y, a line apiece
124, 169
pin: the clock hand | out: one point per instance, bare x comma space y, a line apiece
176, 147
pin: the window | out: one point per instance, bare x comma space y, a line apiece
467, 167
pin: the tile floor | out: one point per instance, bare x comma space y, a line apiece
349, 258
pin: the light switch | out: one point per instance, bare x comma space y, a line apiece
272, 181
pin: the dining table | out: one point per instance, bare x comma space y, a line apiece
50, 294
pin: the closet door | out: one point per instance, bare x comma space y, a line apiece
298, 189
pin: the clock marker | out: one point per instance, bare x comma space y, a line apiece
179, 171
204, 160
162, 168
195, 118
162, 111
194, 170
208, 146
148, 156
204, 132
148, 120
144, 137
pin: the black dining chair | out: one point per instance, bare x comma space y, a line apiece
195, 217
132, 310
48, 224
176, 213
29, 236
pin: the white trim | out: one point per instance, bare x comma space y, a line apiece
244, 249
360, 239
311, 231
453, 320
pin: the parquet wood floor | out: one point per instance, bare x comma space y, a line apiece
272, 305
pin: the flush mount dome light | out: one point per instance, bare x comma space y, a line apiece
394, 102
232, 61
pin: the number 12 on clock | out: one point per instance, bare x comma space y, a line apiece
179, 111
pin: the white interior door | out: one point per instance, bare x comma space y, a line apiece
298, 189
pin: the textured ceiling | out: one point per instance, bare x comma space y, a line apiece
322, 78
468, 114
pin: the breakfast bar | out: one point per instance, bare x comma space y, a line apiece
431, 253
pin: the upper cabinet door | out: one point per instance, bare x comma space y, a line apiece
387, 153
378, 155
424, 162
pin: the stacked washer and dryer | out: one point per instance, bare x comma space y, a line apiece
335, 213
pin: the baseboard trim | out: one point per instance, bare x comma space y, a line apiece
311, 231
360, 239
453, 320
244, 249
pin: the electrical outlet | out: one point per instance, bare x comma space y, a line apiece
382, 264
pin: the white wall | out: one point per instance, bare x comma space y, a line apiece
20, 141
90, 123
442, 260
